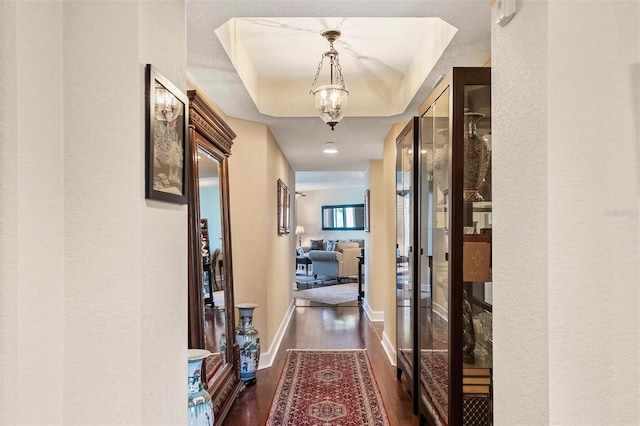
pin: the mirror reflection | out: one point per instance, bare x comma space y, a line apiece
211, 244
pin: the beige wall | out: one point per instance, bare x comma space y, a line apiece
281, 255
375, 264
388, 252
263, 262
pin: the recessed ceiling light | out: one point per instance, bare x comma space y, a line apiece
330, 148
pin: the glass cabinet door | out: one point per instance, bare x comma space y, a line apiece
434, 341
404, 254
476, 257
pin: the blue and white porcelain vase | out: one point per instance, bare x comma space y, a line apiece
248, 340
200, 407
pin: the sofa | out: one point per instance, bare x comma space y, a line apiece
333, 258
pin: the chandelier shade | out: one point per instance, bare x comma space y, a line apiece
331, 99
331, 103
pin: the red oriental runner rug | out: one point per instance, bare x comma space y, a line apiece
327, 388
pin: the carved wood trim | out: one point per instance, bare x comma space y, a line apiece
208, 123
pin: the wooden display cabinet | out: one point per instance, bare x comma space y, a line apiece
443, 231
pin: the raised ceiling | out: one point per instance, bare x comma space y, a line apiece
257, 59
384, 60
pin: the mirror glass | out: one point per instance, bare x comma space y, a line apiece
211, 244
343, 217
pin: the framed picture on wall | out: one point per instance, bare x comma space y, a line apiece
367, 218
166, 117
284, 208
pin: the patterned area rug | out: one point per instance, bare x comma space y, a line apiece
330, 295
327, 388
434, 374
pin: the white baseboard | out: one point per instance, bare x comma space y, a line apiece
389, 349
373, 315
266, 358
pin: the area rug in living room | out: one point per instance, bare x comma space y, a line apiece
328, 388
330, 295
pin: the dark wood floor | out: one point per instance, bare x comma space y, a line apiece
329, 327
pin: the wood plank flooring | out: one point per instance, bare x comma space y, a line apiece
327, 327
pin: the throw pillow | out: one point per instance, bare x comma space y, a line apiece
317, 244
331, 245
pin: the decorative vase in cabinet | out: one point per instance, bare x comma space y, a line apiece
248, 340
476, 157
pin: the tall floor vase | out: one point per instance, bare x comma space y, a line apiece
200, 407
248, 340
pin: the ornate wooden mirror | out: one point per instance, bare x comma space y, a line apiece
211, 306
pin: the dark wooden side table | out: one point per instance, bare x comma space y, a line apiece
304, 261
360, 278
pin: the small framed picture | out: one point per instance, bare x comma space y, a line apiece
166, 117
284, 208
367, 209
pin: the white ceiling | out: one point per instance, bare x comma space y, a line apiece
389, 66
314, 181
277, 58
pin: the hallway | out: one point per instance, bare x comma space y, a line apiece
329, 327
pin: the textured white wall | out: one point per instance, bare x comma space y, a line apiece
520, 191
163, 265
566, 232
594, 238
93, 276
31, 203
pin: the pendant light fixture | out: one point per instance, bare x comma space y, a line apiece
331, 99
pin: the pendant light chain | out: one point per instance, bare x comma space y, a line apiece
333, 57
339, 68
315, 80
